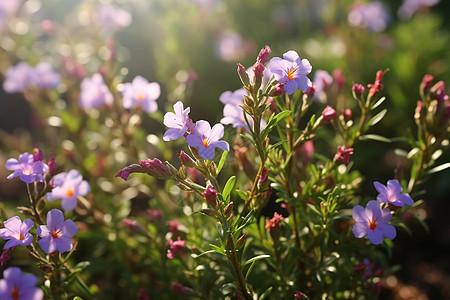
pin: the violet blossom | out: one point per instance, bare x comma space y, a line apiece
26, 168
18, 78
17, 232
94, 92
15, 286
409, 7
229, 46
322, 80
392, 193
56, 235
68, 186
373, 222
206, 139
112, 18
44, 77
234, 98
178, 122
372, 15
291, 71
141, 93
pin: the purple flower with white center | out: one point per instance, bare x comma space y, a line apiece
373, 222
234, 98
26, 168
17, 232
392, 193
372, 15
94, 92
56, 235
18, 78
68, 186
178, 122
291, 71
206, 139
141, 93
409, 7
112, 18
44, 76
15, 286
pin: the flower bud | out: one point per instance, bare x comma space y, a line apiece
125, 172
154, 167
377, 86
258, 70
358, 91
274, 224
241, 241
418, 111
263, 55
52, 166
186, 160
38, 155
208, 212
311, 91
343, 154
329, 113
243, 75
210, 195
228, 208
277, 90
426, 83
347, 114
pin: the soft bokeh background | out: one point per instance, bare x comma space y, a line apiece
191, 48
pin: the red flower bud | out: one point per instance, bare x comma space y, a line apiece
210, 195
329, 113
263, 55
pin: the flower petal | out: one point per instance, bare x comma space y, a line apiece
54, 218
375, 236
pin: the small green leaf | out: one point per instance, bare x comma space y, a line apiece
217, 249
413, 152
438, 168
222, 161
228, 188
401, 152
256, 258
314, 209
201, 254
377, 118
374, 137
266, 293
378, 103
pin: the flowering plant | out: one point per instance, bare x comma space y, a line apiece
134, 191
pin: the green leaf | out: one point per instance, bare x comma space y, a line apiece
274, 120
438, 169
222, 161
248, 218
217, 249
77, 298
228, 188
266, 293
256, 258
314, 209
201, 254
276, 145
401, 152
378, 103
377, 118
374, 137
413, 152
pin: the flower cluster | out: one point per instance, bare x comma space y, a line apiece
21, 76
373, 220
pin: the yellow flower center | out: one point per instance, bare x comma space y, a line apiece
205, 143
372, 224
70, 192
291, 73
55, 234
15, 294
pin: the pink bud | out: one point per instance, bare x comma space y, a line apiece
347, 114
264, 174
274, 224
277, 90
311, 91
329, 113
38, 155
358, 90
52, 166
343, 154
426, 83
154, 167
210, 195
186, 160
263, 55
125, 172
377, 86
243, 75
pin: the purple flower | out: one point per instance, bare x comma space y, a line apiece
372, 221
68, 186
15, 286
322, 80
26, 168
178, 122
141, 93
234, 115
17, 232
291, 71
94, 92
234, 98
206, 139
44, 76
409, 7
18, 78
56, 235
112, 18
392, 193
230, 46
372, 15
